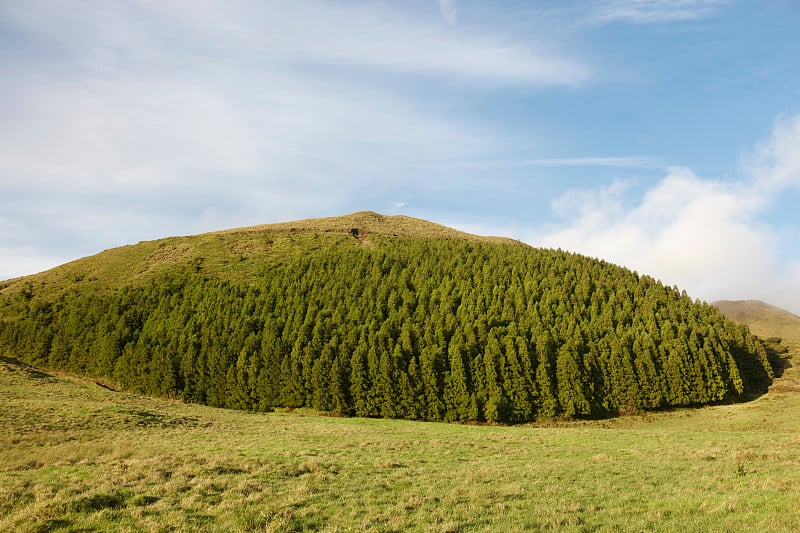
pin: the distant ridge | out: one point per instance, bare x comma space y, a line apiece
764, 320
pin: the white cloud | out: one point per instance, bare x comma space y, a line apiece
124, 96
652, 11
448, 10
370, 36
144, 92
396, 205
706, 236
775, 164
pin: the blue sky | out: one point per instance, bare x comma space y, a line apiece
661, 135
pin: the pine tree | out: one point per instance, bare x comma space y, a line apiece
496, 404
430, 371
546, 382
457, 397
571, 383
517, 381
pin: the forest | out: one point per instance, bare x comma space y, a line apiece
378, 324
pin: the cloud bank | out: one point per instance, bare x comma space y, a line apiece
181, 117
707, 236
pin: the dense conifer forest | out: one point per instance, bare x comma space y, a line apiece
391, 317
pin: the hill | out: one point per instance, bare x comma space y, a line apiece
763, 319
382, 317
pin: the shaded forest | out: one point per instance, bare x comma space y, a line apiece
428, 328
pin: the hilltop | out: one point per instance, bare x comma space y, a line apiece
367, 222
379, 316
236, 252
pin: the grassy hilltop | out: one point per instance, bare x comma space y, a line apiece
236, 253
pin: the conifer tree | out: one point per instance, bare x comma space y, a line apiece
571, 383
546, 377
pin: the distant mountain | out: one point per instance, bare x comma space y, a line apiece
371, 315
764, 320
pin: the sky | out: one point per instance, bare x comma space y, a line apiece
662, 135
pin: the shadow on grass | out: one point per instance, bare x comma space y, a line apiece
53, 524
19, 366
98, 502
778, 355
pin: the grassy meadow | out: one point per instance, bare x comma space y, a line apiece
79, 457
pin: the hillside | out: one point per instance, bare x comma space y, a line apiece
763, 319
382, 317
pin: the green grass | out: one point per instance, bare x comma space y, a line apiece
78, 457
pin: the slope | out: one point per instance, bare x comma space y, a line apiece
379, 316
780, 330
763, 319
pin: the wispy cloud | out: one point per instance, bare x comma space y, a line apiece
775, 164
448, 10
652, 11
704, 235
309, 32
612, 161
623, 161
180, 117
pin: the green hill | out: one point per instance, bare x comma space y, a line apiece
379, 316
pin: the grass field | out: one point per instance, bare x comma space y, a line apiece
78, 457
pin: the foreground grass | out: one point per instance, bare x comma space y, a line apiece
75, 456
